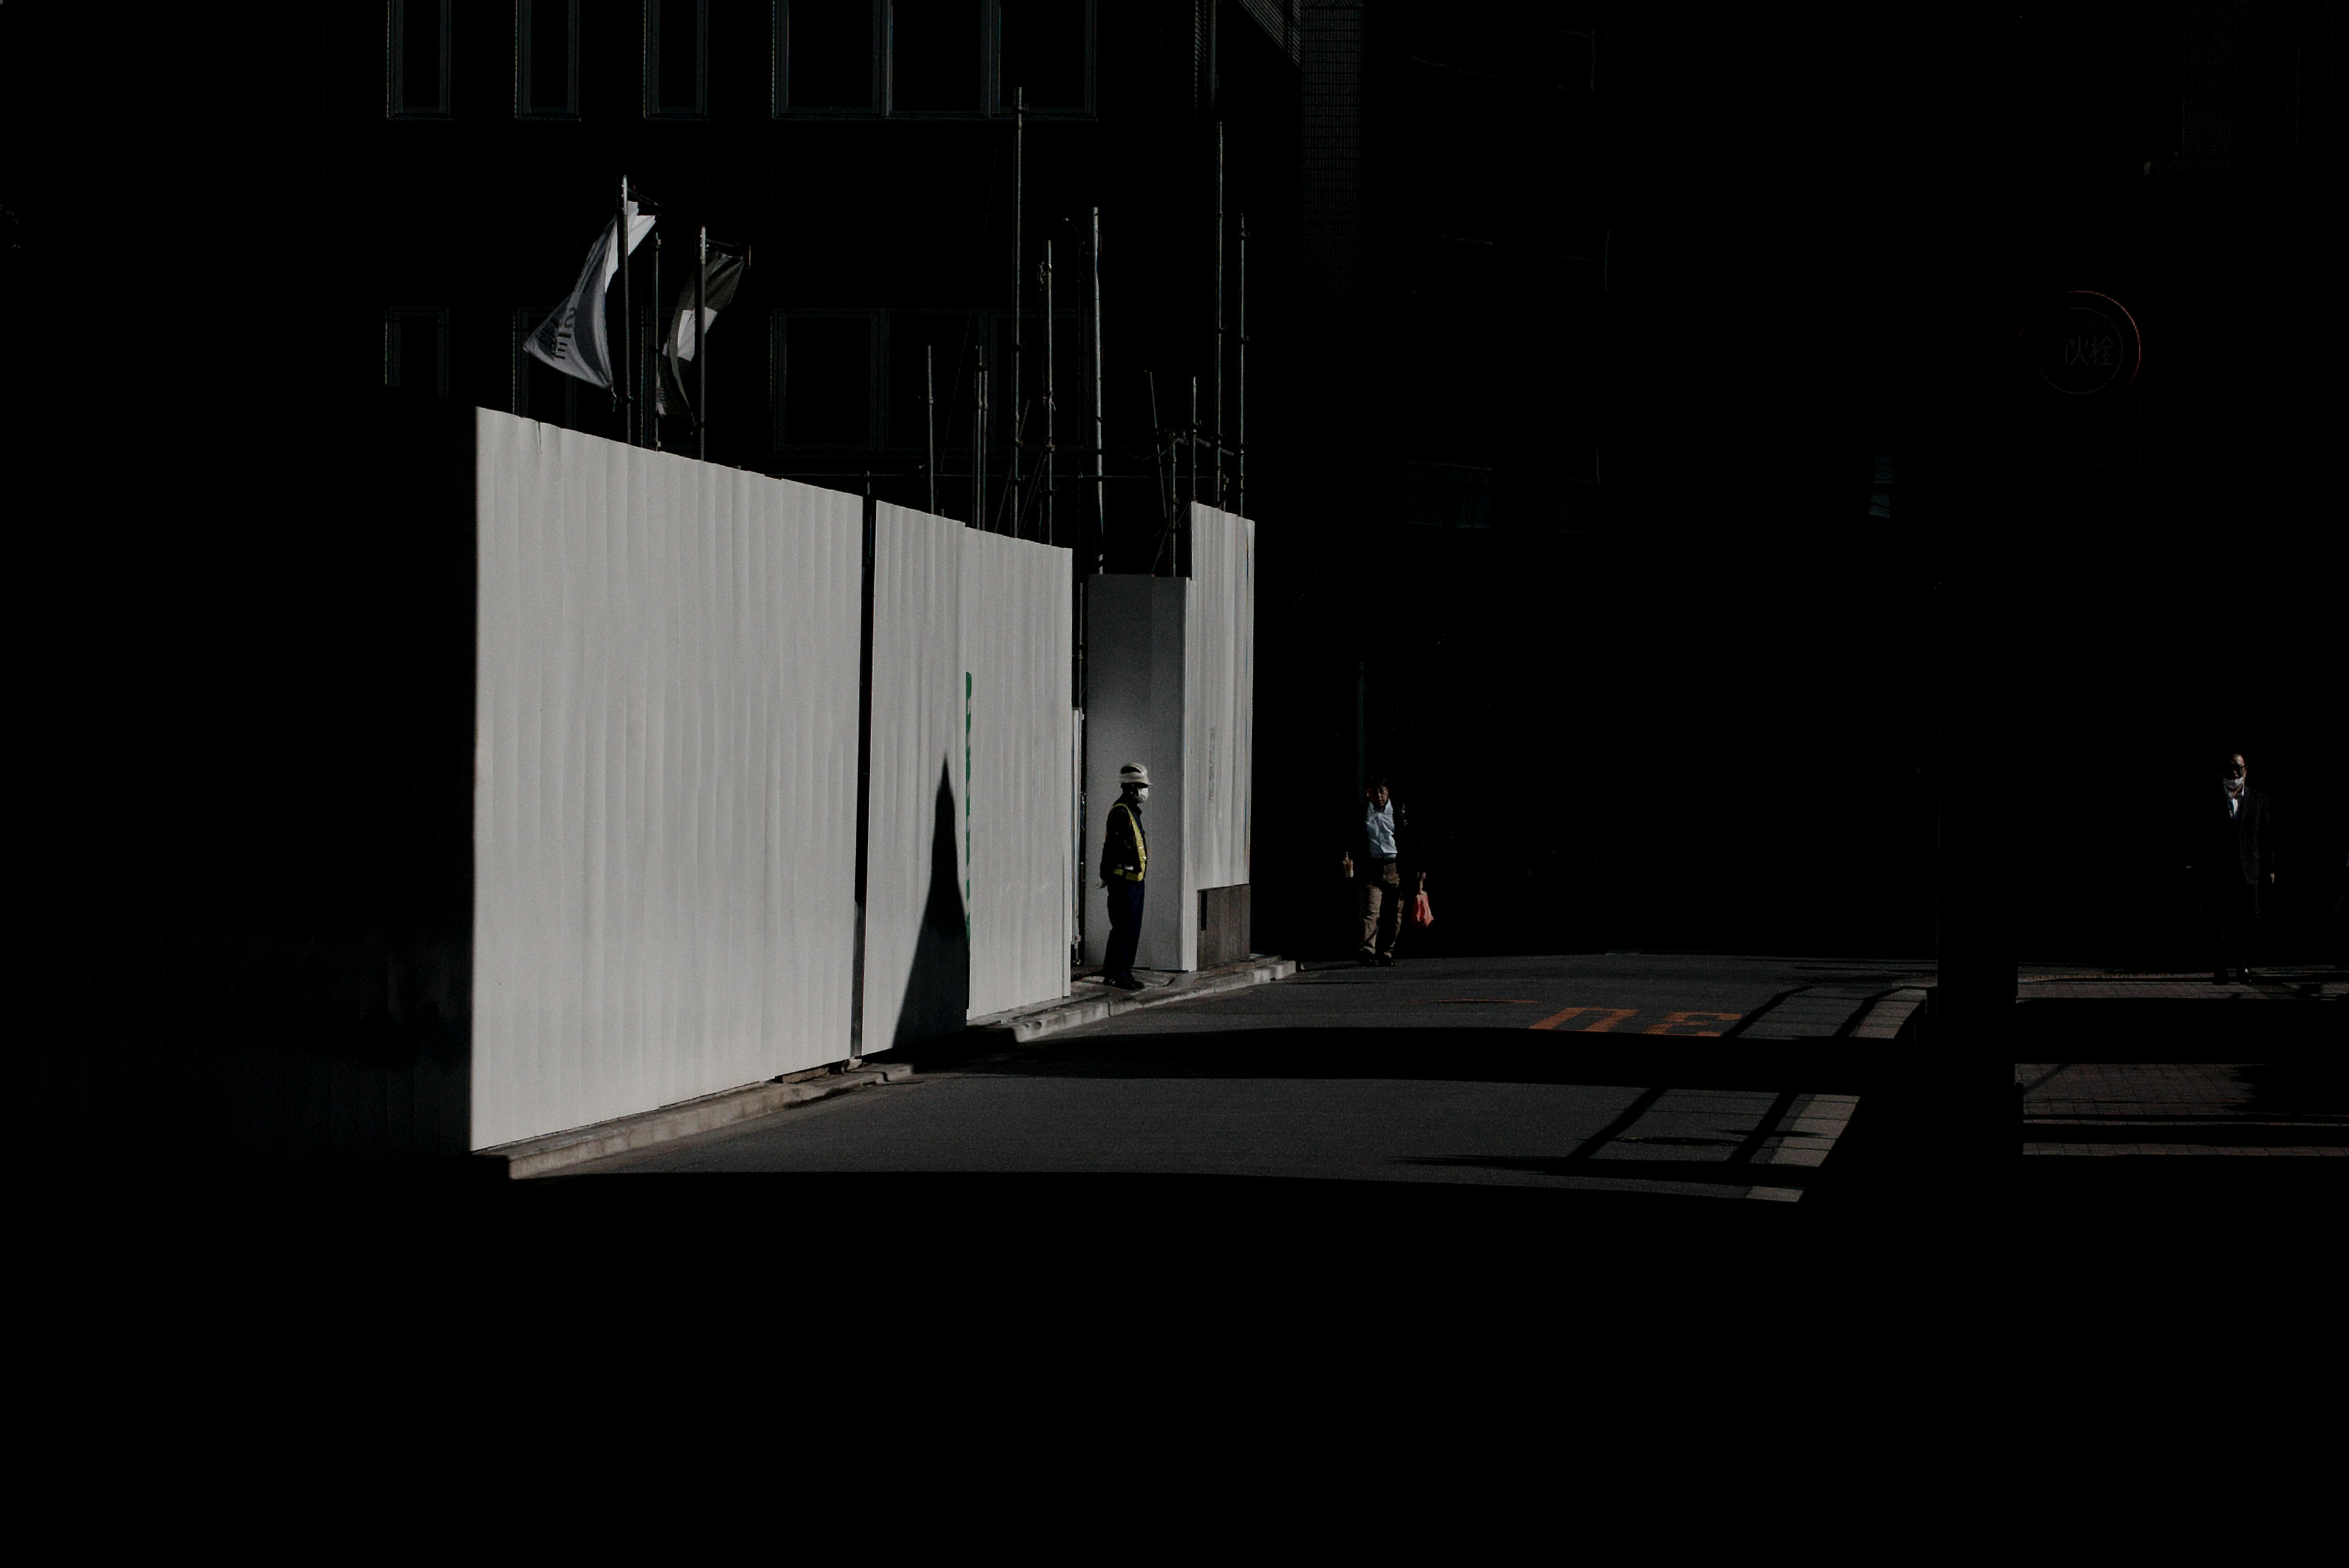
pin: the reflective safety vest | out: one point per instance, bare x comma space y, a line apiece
1141, 845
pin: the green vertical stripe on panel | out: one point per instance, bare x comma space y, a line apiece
965, 809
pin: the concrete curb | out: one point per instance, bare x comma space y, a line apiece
537, 1157
1890, 1015
1024, 1027
1824, 1116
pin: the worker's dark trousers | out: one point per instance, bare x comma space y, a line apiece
1124, 927
2234, 910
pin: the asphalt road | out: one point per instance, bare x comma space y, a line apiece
1616, 1076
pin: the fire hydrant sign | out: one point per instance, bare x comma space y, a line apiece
2094, 349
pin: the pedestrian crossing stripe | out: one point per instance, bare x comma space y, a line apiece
1685, 1023
1614, 1015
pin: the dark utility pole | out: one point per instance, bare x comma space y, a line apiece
1019, 292
978, 444
1161, 458
652, 336
620, 366
1183, 523
701, 347
1981, 508
1050, 406
1101, 442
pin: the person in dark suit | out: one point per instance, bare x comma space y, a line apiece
2237, 859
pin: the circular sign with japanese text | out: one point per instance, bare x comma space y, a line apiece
2094, 347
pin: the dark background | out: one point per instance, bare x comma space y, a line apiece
1580, 339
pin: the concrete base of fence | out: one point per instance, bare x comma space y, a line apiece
1026, 1024
541, 1156
537, 1157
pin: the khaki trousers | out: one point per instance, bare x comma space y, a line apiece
1383, 903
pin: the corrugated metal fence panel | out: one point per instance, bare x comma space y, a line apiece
664, 793
1117, 732
916, 941
1134, 712
1017, 602
1170, 929
1219, 706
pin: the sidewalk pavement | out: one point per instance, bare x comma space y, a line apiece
2102, 1109
2054, 1007
1087, 1001
2173, 1014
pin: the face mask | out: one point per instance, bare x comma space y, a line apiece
1142, 792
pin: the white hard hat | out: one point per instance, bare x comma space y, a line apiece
1131, 775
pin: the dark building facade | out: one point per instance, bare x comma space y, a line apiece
874, 156
1654, 472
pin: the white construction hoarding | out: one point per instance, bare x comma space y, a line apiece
1171, 684
664, 793
1020, 737
916, 940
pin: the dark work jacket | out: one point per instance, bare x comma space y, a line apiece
1125, 848
1406, 842
2241, 848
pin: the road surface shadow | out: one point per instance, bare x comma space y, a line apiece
1073, 1224
2316, 1085
1451, 1055
2246, 1195
2212, 1167
2154, 1028
1706, 1172
2185, 1136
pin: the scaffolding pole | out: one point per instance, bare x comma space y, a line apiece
1100, 440
1018, 167
1051, 408
1219, 315
1240, 503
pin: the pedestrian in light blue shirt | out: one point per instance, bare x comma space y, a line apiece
1376, 864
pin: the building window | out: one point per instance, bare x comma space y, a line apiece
546, 59
952, 339
937, 56
1574, 62
1447, 495
1045, 48
1584, 264
1578, 499
827, 55
1450, 266
1446, 167
416, 348
540, 390
1068, 382
416, 59
825, 374
676, 59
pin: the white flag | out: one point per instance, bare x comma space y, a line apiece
725, 277
571, 340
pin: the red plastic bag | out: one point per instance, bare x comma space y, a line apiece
1422, 916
